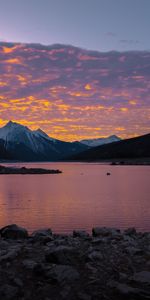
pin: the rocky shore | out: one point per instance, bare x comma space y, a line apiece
108, 265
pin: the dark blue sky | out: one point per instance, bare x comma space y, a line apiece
93, 24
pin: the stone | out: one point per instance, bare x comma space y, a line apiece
64, 274
130, 231
18, 282
83, 296
122, 288
110, 265
95, 256
134, 251
8, 292
10, 254
60, 255
29, 264
125, 289
14, 232
104, 231
142, 277
80, 233
41, 233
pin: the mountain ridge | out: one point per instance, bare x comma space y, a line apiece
100, 141
18, 142
137, 147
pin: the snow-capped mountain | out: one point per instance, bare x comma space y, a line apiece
100, 141
41, 133
21, 143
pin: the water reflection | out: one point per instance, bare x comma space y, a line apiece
81, 197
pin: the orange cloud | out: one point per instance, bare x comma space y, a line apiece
124, 109
88, 87
13, 61
9, 49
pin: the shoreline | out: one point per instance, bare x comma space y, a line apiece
115, 162
109, 264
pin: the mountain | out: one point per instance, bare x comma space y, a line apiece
3, 152
138, 147
100, 141
18, 142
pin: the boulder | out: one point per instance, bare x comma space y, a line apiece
123, 289
14, 232
95, 256
42, 235
8, 292
105, 231
130, 231
64, 274
10, 254
142, 277
60, 255
80, 233
29, 264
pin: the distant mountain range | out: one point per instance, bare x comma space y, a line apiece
138, 147
100, 141
18, 142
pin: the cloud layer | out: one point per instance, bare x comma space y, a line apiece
73, 93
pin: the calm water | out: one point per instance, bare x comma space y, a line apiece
80, 198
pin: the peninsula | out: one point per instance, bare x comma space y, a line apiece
25, 171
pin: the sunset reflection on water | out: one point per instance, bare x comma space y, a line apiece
79, 198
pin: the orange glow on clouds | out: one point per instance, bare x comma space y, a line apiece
88, 87
75, 94
9, 49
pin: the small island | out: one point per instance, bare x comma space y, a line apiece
24, 171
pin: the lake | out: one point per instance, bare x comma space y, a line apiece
82, 197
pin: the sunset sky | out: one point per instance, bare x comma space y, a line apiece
94, 88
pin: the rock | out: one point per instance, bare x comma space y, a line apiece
134, 251
60, 255
10, 254
4, 244
8, 292
104, 231
14, 232
64, 274
142, 277
123, 276
110, 265
130, 231
18, 282
65, 292
83, 296
29, 264
95, 256
123, 289
80, 233
43, 235
39, 270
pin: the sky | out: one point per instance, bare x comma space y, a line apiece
87, 90
92, 24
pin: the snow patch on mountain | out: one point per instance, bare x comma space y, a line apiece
15, 133
100, 141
